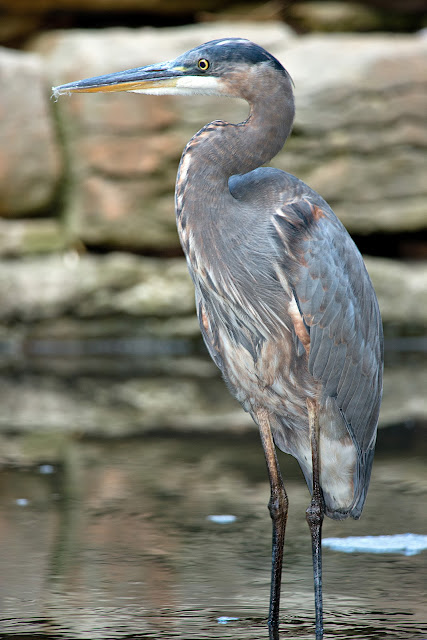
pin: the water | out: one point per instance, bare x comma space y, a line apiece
115, 542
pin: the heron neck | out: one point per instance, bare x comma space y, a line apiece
220, 149
227, 149
204, 204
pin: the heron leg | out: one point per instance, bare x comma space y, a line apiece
278, 507
314, 516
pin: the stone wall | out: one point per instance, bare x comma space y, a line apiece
97, 172
88, 245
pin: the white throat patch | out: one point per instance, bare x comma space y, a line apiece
187, 85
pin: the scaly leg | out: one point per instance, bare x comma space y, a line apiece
314, 516
278, 507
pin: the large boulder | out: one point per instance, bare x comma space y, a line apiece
30, 162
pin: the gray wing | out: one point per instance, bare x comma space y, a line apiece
208, 330
339, 307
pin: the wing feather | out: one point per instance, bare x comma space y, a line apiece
334, 367
337, 301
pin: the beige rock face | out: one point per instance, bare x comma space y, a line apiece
63, 308
401, 289
34, 236
123, 150
359, 139
36, 289
106, 407
333, 16
360, 127
359, 136
30, 164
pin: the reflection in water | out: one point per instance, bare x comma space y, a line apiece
117, 543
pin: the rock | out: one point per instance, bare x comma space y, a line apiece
399, 6
401, 288
108, 406
16, 28
359, 136
118, 408
124, 150
88, 287
70, 317
333, 16
35, 289
243, 12
404, 397
30, 163
23, 237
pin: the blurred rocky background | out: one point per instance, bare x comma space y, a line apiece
97, 325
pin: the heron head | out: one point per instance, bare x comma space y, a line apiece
225, 67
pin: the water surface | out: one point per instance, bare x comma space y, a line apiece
115, 542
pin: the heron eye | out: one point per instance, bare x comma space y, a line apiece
203, 64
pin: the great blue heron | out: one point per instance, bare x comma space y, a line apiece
285, 305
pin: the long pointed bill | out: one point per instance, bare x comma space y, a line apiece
151, 79
159, 79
